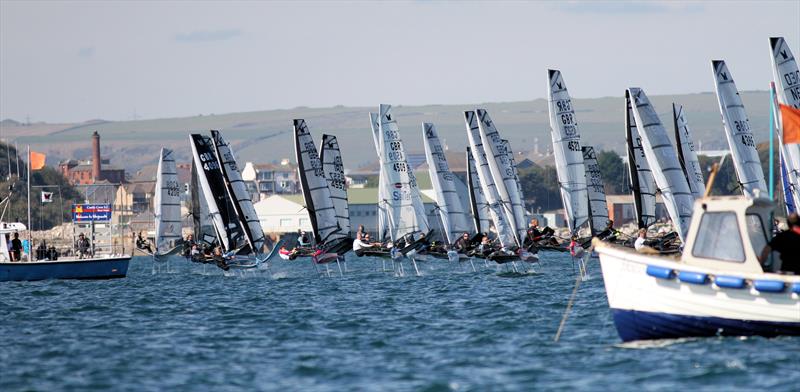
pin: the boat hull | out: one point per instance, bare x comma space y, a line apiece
106, 268
655, 297
635, 325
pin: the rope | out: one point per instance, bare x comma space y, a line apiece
569, 306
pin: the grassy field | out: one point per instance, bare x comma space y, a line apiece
265, 136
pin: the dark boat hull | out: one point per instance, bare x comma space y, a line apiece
107, 268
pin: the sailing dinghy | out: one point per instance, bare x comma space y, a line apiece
330, 239
787, 92
167, 208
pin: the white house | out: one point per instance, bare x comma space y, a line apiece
283, 214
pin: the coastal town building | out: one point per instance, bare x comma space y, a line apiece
268, 179
95, 170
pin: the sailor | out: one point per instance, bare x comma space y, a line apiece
83, 246
188, 246
16, 248
608, 234
787, 243
302, 240
219, 260
462, 244
535, 234
485, 247
359, 245
639, 244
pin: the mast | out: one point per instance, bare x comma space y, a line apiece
30, 235
473, 203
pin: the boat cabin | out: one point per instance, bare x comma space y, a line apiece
728, 233
8, 229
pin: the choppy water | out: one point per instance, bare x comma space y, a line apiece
447, 330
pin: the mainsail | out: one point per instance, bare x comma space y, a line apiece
202, 228
316, 193
477, 201
643, 185
167, 204
598, 206
686, 153
238, 194
383, 218
787, 80
737, 131
406, 214
332, 166
209, 178
454, 218
567, 151
505, 232
663, 160
498, 156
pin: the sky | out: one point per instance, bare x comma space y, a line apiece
71, 61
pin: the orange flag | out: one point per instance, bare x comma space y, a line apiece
791, 124
37, 160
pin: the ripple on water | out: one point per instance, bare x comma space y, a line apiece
449, 330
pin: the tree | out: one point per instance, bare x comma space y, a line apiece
612, 169
540, 188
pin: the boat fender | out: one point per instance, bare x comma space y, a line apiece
660, 272
769, 286
692, 277
796, 287
730, 282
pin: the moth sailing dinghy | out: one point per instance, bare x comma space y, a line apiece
167, 208
330, 239
237, 240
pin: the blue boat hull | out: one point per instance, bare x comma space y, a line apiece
74, 269
634, 325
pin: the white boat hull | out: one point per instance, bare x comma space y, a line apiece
688, 301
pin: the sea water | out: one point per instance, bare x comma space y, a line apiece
450, 329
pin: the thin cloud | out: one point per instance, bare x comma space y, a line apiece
86, 52
628, 7
207, 35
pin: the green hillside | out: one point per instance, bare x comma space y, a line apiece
265, 136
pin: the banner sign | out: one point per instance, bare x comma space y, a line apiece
91, 212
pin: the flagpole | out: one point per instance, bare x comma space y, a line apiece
771, 140
30, 234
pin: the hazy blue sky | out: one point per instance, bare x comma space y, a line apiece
73, 61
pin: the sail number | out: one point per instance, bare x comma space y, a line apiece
792, 78
574, 145
742, 126
564, 105
747, 140
172, 188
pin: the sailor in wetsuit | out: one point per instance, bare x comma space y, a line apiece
462, 244
188, 244
536, 235
219, 260
359, 245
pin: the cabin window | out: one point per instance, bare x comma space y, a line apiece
755, 229
718, 237
286, 222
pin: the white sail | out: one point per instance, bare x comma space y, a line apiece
167, 204
787, 91
238, 194
598, 206
383, 203
687, 154
478, 205
498, 157
643, 186
332, 166
316, 193
516, 173
212, 184
664, 162
505, 232
405, 211
567, 151
737, 131
451, 211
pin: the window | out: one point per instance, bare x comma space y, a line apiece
755, 229
304, 222
286, 222
718, 237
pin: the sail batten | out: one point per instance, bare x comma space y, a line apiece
567, 152
663, 160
